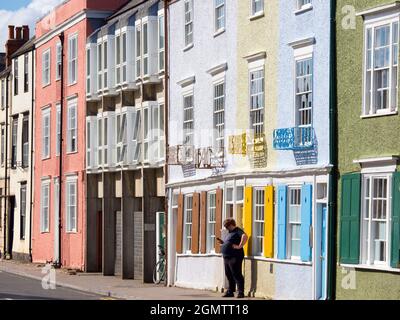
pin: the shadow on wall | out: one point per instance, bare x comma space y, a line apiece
307, 156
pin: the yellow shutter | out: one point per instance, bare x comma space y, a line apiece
269, 222
247, 218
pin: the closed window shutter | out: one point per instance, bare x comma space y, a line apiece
179, 230
218, 222
203, 222
395, 256
350, 219
195, 223
247, 218
282, 209
306, 222
269, 222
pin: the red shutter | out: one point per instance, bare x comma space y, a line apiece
179, 229
195, 223
203, 222
218, 224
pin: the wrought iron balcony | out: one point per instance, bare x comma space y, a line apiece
297, 138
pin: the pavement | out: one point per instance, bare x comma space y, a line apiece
94, 284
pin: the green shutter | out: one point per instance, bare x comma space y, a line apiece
395, 256
350, 219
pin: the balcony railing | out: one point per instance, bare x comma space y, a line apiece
297, 138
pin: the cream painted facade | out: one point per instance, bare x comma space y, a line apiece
20, 160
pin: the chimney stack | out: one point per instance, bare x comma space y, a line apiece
15, 41
10, 32
18, 33
25, 33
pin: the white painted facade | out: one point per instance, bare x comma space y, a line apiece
195, 69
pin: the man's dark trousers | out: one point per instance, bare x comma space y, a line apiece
233, 271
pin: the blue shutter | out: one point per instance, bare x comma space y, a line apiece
282, 209
306, 221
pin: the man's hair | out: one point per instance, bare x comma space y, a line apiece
229, 222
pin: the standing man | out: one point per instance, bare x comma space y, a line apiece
233, 253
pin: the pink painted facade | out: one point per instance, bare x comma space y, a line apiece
73, 17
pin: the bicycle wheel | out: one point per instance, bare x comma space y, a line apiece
159, 272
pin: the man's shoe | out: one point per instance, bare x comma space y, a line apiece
228, 295
240, 295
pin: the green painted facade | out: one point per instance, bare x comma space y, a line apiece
360, 138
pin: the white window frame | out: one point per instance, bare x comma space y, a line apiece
71, 227
138, 49
188, 224
219, 127
99, 65
58, 128
72, 126
121, 127
46, 67
188, 133
145, 45
58, 60
298, 109
137, 136
188, 23
88, 70
100, 140
45, 207
218, 4
161, 42
257, 126
105, 63
392, 107
258, 219
290, 223
72, 59
366, 253
46, 135
253, 12
211, 221
302, 5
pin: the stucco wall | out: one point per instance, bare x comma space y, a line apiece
261, 34
293, 27
258, 278
200, 272
208, 51
360, 138
293, 282
367, 285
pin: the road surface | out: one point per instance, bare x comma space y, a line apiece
15, 287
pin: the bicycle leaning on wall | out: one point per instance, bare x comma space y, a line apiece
159, 272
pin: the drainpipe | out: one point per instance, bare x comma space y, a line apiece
166, 127
32, 155
333, 149
6, 172
58, 263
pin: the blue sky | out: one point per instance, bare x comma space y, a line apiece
20, 12
13, 4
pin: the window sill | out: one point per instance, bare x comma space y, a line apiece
303, 10
385, 114
219, 32
372, 268
188, 47
44, 232
46, 158
72, 152
46, 85
59, 79
256, 16
273, 260
71, 232
199, 255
